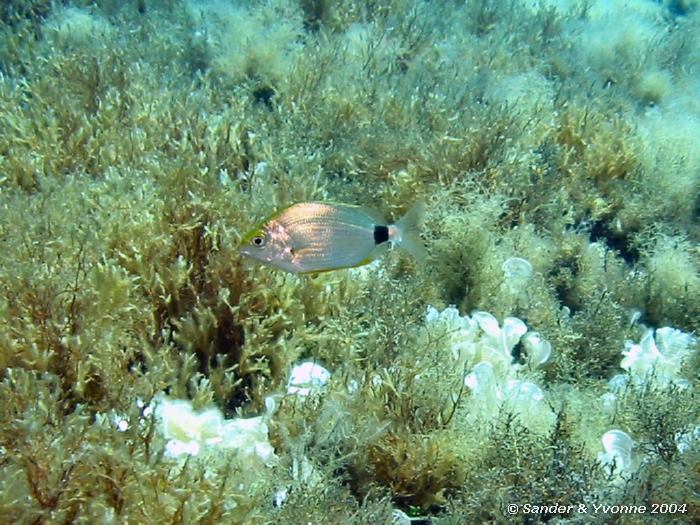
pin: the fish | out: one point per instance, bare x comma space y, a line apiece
314, 237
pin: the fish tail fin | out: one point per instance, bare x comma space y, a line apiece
408, 228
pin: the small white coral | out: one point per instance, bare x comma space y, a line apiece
306, 378
517, 272
485, 388
481, 338
484, 346
537, 349
193, 432
449, 315
521, 398
496, 343
617, 454
661, 355
461, 331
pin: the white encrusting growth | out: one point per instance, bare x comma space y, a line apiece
192, 432
537, 349
484, 347
306, 378
617, 455
659, 356
517, 272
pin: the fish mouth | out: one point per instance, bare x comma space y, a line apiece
245, 250
255, 254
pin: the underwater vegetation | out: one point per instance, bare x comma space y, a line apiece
543, 355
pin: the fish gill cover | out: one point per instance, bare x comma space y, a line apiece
541, 364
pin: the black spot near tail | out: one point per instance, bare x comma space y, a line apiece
381, 234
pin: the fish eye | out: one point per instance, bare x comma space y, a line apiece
258, 240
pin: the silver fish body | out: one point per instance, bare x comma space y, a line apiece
312, 237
